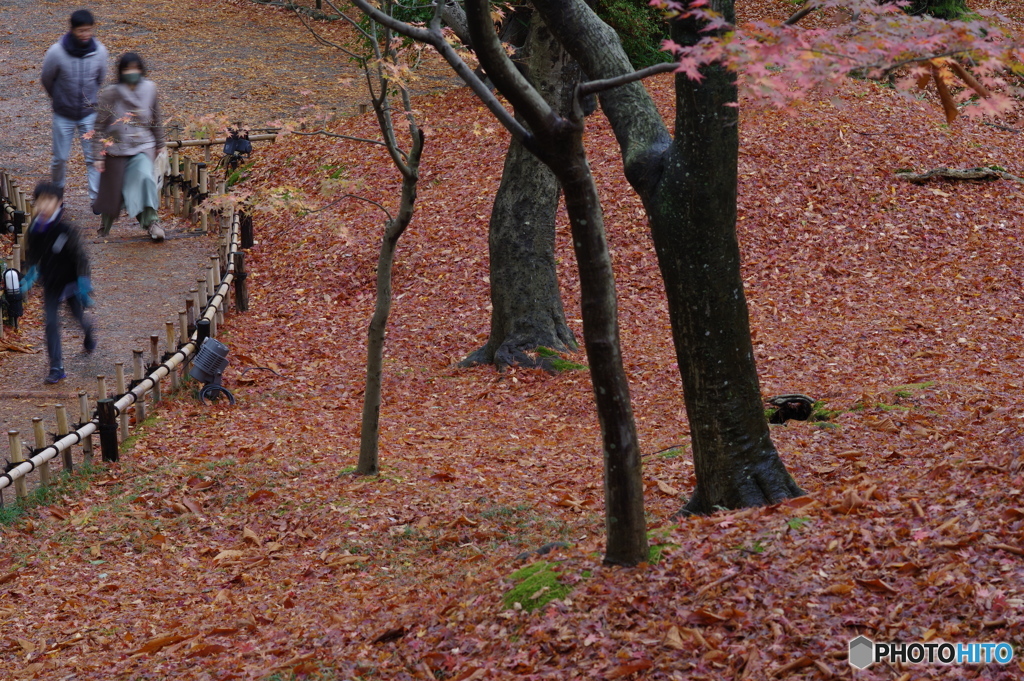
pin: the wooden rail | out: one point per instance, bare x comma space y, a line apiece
192, 322
178, 144
108, 409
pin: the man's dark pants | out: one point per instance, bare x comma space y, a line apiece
51, 302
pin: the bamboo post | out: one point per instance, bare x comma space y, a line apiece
200, 298
176, 177
183, 333
241, 290
204, 187
224, 245
138, 373
211, 279
108, 429
211, 283
62, 430
202, 333
186, 177
44, 467
154, 361
190, 311
122, 388
169, 340
206, 151
245, 229
213, 326
83, 410
17, 457
16, 257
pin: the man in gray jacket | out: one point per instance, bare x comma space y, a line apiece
73, 72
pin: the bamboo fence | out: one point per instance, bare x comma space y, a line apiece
203, 314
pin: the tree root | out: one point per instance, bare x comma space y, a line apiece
770, 484
517, 353
953, 174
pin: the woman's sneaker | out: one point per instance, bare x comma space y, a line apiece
56, 376
156, 232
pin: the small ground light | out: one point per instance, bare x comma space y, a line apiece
12, 296
208, 367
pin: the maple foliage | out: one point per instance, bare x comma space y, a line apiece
784, 62
225, 545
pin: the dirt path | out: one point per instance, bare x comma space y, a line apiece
208, 59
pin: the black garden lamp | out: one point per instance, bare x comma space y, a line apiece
209, 365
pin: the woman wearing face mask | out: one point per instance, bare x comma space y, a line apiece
128, 138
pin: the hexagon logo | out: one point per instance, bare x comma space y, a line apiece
862, 652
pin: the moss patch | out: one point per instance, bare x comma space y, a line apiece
552, 361
538, 585
129, 442
905, 391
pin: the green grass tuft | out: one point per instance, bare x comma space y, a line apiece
129, 442
656, 552
905, 391
62, 484
538, 585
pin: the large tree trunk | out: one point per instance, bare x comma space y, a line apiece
625, 522
693, 222
526, 307
688, 186
558, 141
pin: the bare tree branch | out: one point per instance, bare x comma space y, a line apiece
350, 20
527, 102
455, 17
326, 133
593, 86
350, 196
435, 39
324, 41
809, 7
638, 125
